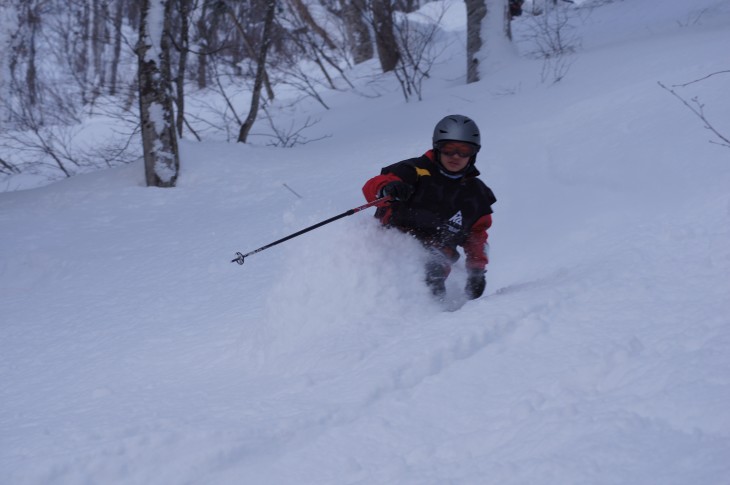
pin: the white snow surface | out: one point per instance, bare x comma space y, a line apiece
132, 351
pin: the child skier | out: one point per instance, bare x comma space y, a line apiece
438, 199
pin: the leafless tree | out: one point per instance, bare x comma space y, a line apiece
182, 43
385, 38
159, 140
552, 33
265, 43
22, 64
478, 13
118, 24
291, 134
204, 40
54, 151
359, 38
416, 43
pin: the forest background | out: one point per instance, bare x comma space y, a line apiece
76, 84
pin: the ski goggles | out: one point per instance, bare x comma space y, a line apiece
462, 150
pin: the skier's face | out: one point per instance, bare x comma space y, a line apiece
455, 156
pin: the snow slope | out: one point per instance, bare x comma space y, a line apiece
132, 351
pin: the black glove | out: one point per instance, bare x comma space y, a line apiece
397, 190
475, 283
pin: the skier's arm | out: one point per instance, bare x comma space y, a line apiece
372, 187
475, 247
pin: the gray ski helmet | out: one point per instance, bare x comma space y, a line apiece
457, 128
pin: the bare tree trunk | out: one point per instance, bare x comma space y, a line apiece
385, 39
507, 22
203, 44
260, 72
306, 17
8, 61
488, 35
82, 61
252, 51
118, 18
210, 47
476, 10
159, 141
98, 40
32, 17
358, 34
184, 43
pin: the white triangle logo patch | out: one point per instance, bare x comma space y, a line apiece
456, 219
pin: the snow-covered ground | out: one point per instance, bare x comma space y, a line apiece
132, 351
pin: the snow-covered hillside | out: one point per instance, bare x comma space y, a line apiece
132, 351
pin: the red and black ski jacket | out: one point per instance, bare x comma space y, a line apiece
444, 211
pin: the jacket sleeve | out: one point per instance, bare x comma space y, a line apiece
476, 246
372, 187
403, 171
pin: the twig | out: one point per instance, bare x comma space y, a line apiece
699, 112
698, 80
292, 190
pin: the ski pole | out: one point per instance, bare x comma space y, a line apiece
240, 257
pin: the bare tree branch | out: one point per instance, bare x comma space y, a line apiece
700, 79
698, 109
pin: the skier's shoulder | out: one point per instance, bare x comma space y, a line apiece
481, 190
410, 168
